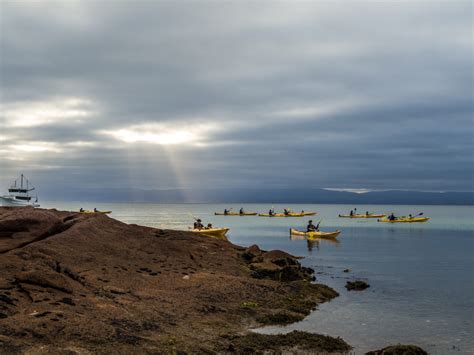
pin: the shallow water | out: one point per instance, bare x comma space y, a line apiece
421, 275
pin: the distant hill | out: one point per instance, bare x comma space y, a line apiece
393, 197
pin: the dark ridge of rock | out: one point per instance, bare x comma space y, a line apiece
276, 265
251, 252
294, 342
399, 350
356, 285
68, 278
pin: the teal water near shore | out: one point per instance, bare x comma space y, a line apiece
421, 275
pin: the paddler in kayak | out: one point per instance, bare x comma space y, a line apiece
286, 211
241, 211
391, 217
311, 227
226, 211
209, 226
271, 212
198, 224
81, 210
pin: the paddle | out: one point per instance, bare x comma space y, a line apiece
317, 226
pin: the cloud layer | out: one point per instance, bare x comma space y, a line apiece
374, 95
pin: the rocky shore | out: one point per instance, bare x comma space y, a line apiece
78, 284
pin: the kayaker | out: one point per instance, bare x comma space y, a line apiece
271, 212
241, 211
392, 217
311, 227
351, 213
226, 211
198, 225
81, 210
367, 213
209, 226
286, 212
95, 210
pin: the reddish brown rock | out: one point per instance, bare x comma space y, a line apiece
71, 282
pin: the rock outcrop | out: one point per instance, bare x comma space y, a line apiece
356, 285
75, 283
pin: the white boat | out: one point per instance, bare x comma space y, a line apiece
19, 195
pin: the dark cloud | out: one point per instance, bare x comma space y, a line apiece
371, 95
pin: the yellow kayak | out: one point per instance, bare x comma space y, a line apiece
363, 216
93, 212
214, 232
316, 234
405, 220
284, 215
235, 214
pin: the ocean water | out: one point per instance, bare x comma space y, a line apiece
421, 275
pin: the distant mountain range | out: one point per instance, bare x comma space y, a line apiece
393, 197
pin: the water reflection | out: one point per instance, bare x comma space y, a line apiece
315, 242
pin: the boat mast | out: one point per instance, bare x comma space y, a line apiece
21, 181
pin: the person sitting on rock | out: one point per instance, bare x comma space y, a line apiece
95, 210
198, 225
81, 210
311, 227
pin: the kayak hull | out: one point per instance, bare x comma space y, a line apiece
235, 214
362, 216
405, 220
214, 232
285, 215
329, 235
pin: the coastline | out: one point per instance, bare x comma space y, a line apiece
92, 283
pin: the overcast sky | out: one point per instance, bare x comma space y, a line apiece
185, 94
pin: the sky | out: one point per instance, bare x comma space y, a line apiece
359, 95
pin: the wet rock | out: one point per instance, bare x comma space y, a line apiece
251, 252
294, 342
280, 318
276, 265
399, 350
356, 285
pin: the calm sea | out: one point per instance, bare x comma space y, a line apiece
421, 275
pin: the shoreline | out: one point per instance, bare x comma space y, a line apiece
92, 284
